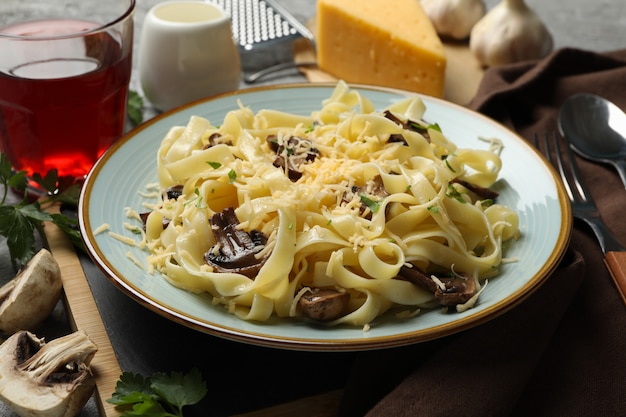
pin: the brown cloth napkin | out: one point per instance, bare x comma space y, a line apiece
562, 352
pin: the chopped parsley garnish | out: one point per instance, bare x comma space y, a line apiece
371, 204
421, 128
448, 165
135, 108
214, 165
455, 194
435, 126
197, 200
418, 127
486, 203
196, 191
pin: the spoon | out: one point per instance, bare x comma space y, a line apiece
596, 129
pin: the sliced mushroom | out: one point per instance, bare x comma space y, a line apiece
291, 154
407, 125
324, 304
46, 379
369, 196
417, 277
172, 193
236, 249
216, 139
482, 192
448, 290
31, 295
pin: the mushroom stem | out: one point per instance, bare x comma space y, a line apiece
67, 353
46, 380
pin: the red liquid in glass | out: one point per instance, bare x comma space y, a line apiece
65, 110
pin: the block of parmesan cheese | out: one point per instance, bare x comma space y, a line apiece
389, 43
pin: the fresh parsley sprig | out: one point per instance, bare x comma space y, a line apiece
20, 222
135, 107
160, 395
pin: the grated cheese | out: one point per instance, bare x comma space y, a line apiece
101, 229
124, 239
135, 260
472, 301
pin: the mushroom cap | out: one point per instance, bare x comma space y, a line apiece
31, 295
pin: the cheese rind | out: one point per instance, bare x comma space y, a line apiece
380, 42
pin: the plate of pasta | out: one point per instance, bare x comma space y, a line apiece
325, 217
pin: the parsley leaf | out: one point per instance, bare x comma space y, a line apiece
135, 108
131, 388
47, 182
435, 126
10, 179
70, 227
160, 395
179, 389
17, 227
455, 194
448, 165
232, 176
371, 204
19, 223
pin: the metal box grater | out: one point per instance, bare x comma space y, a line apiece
262, 23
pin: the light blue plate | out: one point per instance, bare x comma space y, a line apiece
528, 184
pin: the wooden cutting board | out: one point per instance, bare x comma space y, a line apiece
84, 315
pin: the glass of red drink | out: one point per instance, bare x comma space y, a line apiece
65, 68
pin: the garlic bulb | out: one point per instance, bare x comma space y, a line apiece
510, 32
454, 18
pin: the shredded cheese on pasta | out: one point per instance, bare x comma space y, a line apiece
328, 228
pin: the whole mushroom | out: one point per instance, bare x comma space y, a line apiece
39, 379
27, 299
324, 304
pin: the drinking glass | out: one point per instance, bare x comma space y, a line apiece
65, 68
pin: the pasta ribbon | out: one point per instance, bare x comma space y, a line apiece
342, 199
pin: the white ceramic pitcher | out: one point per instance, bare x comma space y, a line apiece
186, 53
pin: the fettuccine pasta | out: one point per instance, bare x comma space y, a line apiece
343, 199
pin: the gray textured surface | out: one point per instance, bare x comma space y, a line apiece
598, 25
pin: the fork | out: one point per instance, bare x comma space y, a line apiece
583, 206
